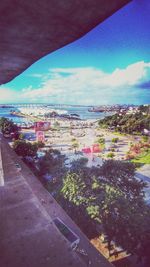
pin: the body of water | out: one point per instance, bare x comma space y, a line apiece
82, 111
5, 112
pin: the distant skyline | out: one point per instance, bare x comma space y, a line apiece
109, 65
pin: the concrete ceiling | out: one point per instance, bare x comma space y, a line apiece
31, 29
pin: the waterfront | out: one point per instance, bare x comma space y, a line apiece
5, 112
81, 111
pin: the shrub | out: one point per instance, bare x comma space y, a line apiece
23, 148
101, 140
145, 138
110, 155
115, 140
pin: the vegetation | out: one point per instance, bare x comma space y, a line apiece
73, 140
113, 199
143, 158
145, 139
40, 144
128, 123
115, 140
107, 198
140, 152
8, 127
145, 109
24, 149
51, 163
101, 140
111, 154
75, 144
79, 164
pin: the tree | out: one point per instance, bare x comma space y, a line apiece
145, 138
121, 174
2, 122
133, 221
73, 188
115, 140
78, 164
40, 144
46, 163
101, 140
75, 145
113, 198
110, 155
7, 126
52, 163
24, 149
128, 123
145, 109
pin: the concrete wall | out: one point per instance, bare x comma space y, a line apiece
1, 168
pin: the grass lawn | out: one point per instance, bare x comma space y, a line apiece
119, 134
144, 158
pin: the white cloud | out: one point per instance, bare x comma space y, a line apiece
35, 75
88, 85
130, 75
7, 95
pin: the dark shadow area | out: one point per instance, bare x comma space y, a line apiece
81, 218
125, 262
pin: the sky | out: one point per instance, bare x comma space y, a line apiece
109, 65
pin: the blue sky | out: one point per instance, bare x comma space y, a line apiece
110, 64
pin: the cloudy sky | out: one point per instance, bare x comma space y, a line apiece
111, 64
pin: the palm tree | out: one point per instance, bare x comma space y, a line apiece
75, 145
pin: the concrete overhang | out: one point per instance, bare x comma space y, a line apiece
32, 29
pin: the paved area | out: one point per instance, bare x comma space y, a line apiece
28, 237
144, 174
1, 167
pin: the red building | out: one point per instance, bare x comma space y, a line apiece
42, 126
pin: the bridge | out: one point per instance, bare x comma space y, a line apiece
24, 105
32, 105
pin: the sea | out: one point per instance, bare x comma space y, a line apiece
82, 111
6, 112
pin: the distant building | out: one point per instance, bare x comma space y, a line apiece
146, 132
42, 126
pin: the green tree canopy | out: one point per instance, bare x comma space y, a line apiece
7, 126
24, 149
121, 174
52, 163
113, 198
128, 123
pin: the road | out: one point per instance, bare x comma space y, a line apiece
144, 174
